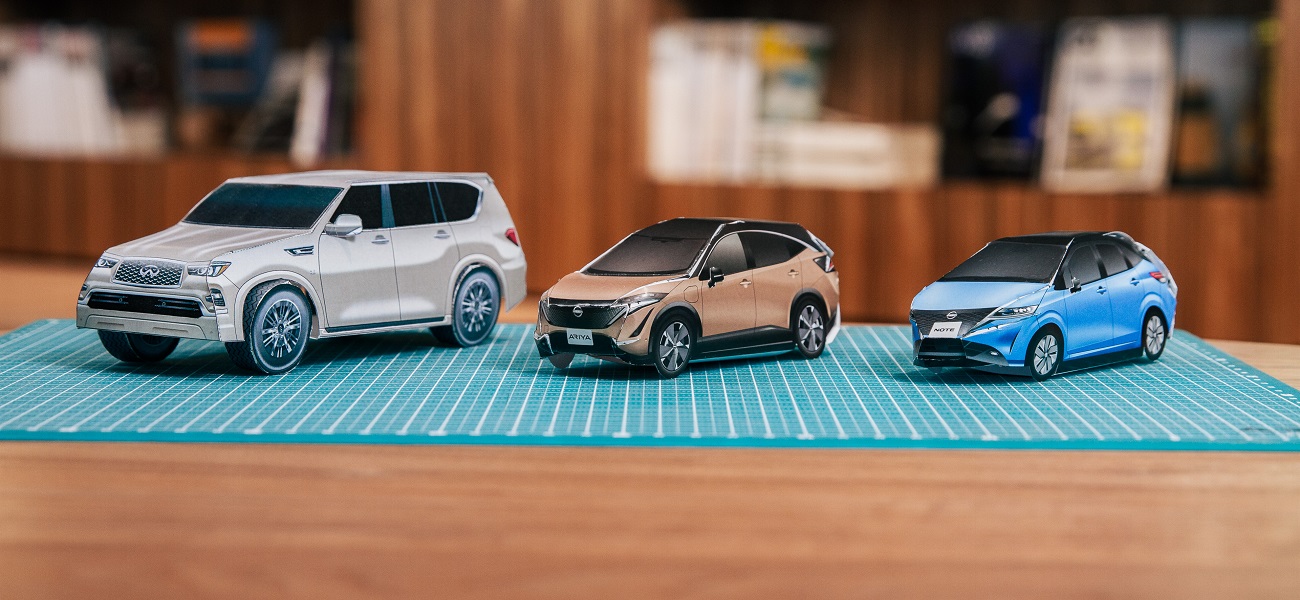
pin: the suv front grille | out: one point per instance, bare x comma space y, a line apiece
925, 319
153, 273
595, 314
153, 305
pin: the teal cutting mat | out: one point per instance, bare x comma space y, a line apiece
57, 383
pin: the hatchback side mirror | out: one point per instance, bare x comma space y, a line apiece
344, 226
1075, 285
715, 276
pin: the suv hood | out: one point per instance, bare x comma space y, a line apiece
958, 295
200, 243
580, 286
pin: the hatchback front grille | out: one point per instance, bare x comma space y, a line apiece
153, 273
590, 314
153, 305
925, 319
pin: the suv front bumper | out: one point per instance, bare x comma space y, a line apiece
187, 311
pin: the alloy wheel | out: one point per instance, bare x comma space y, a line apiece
1155, 335
476, 307
1045, 354
811, 329
674, 346
281, 328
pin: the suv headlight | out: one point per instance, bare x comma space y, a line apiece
639, 301
211, 269
1014, 312
105, 262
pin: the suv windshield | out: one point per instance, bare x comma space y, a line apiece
1010, 261
263, 205
641, 254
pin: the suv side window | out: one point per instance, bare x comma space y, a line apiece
766, 249
1082, 265
728, 256
412, 204
365, 201
459, 200
1111, 259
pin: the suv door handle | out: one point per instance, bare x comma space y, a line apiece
745, 283
441, 235
379, 239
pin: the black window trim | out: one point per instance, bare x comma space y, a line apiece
437, 202
698, 268
338, 203
437, 199
1096, 256
1106, 272
438, 217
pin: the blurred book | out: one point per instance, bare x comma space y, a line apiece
1219, 133
712, 82
848, 155
224, 62
1110, 106
992, 120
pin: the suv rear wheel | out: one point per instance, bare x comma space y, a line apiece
474, 311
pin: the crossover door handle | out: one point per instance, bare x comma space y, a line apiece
745, 283
793, 273
379, 239
441, 234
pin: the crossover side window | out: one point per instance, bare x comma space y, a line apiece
728, 256
1082, 265
766, 249
1111, 259
364, 201
412, 204
459, 200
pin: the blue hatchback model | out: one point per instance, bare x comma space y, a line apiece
1044, 303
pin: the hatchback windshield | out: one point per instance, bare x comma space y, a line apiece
649, 255
1010, 261
263, 205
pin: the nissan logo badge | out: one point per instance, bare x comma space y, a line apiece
150, 271
952, 315
577, 311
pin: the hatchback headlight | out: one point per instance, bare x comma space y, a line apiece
639, 301
211, 269
105, 262
1014, 312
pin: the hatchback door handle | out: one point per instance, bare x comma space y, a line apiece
1101, 289
379, 239
1134, 281
442, 234
745, 283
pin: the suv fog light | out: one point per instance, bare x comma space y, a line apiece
216, 300
82, 294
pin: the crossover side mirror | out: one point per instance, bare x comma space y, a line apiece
344, 226
715, 276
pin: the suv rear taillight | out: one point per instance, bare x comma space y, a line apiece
513, 236
825, 262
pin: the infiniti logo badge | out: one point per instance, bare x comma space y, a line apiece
952, 315
150, 271
577, 311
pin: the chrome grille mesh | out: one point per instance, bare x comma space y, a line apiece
142, 272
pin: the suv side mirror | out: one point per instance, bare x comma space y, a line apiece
344, 226
1075, 285
715, 276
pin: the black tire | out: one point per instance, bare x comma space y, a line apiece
277, 322
808, 327
561, 360
137, 347
1155, 336
474, 311
1043, 362
672, 341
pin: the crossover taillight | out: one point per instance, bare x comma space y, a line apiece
825, 262
513, 236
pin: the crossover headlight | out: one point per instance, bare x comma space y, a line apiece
1014, 312
639, 301
105, 262
211, 269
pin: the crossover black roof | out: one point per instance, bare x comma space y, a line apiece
705, 228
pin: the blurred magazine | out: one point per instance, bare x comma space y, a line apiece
992, 122
1110, 109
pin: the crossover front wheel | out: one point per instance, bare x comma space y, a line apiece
275, 330
671, 342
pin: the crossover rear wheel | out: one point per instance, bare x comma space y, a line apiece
276, 322
1154, 336
1045, 350
810, 328
137, 347
671, 343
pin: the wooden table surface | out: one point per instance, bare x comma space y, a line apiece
83, 520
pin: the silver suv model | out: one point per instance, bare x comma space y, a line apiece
264, 263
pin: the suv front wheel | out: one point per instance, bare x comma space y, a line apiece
137, 347
276, 321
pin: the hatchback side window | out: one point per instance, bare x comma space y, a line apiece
1111, 259
1131, 256
728, 256
766, 249
365, 201
1082, 265
412, 204
459, 200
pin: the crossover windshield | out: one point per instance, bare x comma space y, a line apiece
1010, 261
263, 205
649, 255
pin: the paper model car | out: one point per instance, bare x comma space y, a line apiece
264, 263
1046, 303
687, 290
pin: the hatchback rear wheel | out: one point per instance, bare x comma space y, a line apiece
1154, 336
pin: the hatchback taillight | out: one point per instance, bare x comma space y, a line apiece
513, 236
1158, 276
